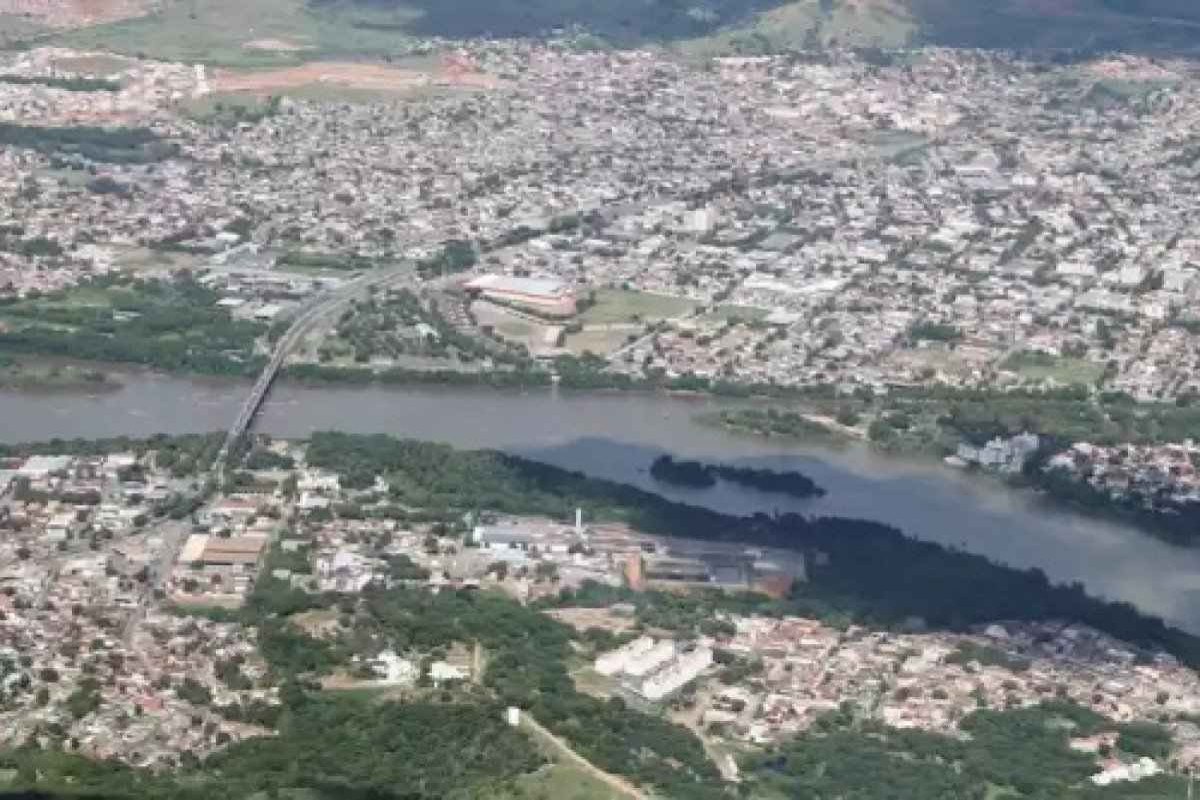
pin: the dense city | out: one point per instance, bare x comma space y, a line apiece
129, 575
1004, 242
949, 220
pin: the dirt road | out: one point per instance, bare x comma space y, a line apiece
614, 782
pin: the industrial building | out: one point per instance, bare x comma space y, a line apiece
547, 296
682, 570
243, 552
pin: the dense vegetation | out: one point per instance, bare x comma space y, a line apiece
697, 475
496, 379
527, 655
934, 332
773, 422
334, 746
691, 474
1085, 28
172, 325
456, 255
306, 260
71, 84
108, 145
1093, 26
399, 323
621, 21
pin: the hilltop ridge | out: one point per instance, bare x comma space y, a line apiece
703, 27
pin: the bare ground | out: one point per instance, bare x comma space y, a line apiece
347, 75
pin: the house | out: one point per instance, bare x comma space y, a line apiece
441, 672
38, 468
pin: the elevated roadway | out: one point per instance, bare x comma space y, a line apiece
310, 315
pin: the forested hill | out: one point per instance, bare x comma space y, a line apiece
1164, 26
1090, 25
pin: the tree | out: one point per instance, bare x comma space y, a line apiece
847, 416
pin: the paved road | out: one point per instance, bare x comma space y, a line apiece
174, 534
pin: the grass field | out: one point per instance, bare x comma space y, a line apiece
515, 329
1041, 366
218, 104
588, 681
562, 782
730, 311
623, 305
143, 258
600, 343
218, 31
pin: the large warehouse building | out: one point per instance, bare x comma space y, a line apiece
541, 295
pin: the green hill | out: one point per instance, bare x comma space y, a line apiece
217, 31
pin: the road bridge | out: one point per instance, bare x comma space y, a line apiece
309, 315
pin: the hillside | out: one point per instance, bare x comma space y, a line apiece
221, 31
1036, 24
1140, 25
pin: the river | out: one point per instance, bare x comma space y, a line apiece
617, 436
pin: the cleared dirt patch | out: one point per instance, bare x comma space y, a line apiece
94, 64
368, 77
582, 619
276, 45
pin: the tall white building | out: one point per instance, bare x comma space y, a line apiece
675, 675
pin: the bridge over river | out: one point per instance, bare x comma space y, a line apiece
316, 310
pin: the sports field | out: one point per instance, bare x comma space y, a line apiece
1042, 366
626, 305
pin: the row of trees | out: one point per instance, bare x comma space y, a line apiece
110, 145
76, 83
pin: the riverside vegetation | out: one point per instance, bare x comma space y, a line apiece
697, 475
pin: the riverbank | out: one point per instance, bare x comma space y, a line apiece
615, 435
907, 441
53, 377
1177, 524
